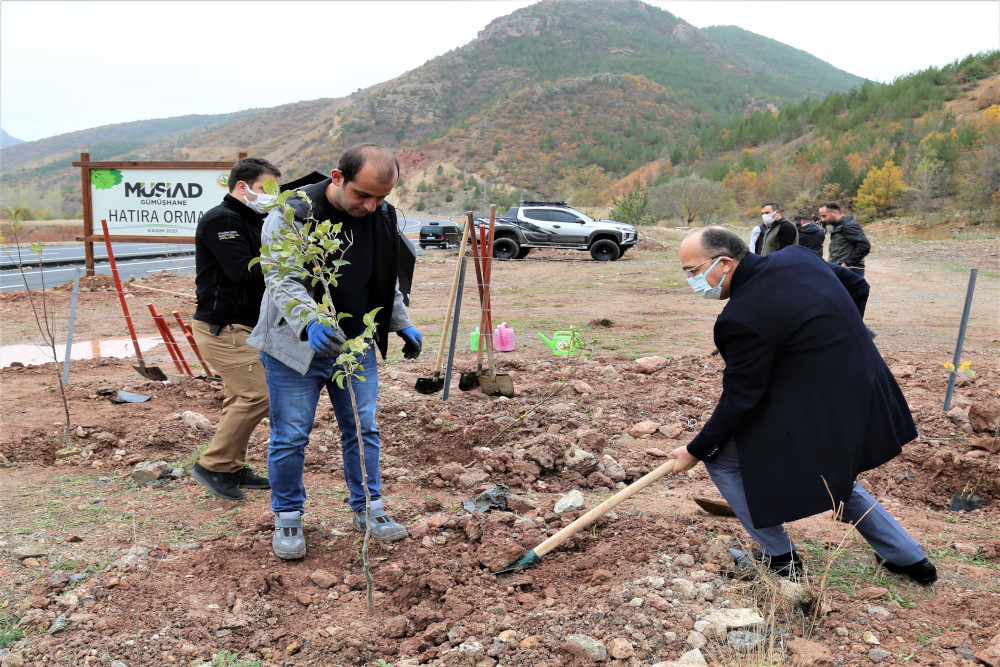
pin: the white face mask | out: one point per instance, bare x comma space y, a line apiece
768, 218
260, 203
699, 284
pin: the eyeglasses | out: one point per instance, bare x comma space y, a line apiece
691, 272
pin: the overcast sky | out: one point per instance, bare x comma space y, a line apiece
68, 66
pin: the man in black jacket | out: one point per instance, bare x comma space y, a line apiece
792, 331
848, 244
779, 231
229, 295
811, 235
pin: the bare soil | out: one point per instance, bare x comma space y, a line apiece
173, 575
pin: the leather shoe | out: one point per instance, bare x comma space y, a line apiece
246, 479
922, 572
221, 484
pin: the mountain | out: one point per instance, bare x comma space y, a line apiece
539, 93
7, 140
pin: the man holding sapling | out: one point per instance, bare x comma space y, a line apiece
299, 356
792, 331
228, 293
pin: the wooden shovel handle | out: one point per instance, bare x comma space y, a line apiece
476, 258
451, 303
602, 509
488, 274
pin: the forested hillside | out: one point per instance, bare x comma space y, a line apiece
634, 79
927, 140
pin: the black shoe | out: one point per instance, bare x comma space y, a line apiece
246, 479
784, 565
221, 484
922, 572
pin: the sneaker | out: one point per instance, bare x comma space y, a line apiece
922, 572
288, 542
221, 484
246, 479
384, 529
784, 565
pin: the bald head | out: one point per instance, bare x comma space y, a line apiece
716, 241
376, 159
714, 253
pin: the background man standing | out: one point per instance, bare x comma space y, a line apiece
792, 331
811, 235
229, 293
299, 356
848, 244
778, 232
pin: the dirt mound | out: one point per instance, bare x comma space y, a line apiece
101, 567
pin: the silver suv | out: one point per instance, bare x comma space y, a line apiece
557, 225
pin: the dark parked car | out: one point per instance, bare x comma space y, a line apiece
440, 235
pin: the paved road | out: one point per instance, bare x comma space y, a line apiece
73, 253
62, 263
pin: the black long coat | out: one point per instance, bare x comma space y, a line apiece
805, 393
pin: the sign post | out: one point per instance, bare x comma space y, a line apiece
148, 202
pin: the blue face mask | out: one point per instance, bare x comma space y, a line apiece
699, 284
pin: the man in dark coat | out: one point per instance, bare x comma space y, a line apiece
811, 235
792, 331
848, 244
229, 293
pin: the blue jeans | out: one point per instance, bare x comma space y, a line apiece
293, 410
879, 528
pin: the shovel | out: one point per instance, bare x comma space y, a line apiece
435, 384
148, 372
492, 383
470, 379
535, 555
455, 320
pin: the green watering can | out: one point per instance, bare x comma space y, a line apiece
562, 343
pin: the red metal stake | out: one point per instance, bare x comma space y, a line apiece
148, 372
165, 335
194, 346
170, 340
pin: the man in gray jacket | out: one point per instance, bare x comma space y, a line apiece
298, 356
848, 244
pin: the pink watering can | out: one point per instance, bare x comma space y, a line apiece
503, 337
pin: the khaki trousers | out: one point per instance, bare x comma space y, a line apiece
245, 403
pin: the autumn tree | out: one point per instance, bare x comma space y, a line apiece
977, 176
690, 198
587, 187
743, 188
882, 189
927, 176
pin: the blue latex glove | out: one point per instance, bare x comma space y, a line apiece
414, 342
325, 340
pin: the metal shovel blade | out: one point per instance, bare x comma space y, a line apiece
151, 372
496, 384
470, 379
430, 385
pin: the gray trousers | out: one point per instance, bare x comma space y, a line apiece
878, 527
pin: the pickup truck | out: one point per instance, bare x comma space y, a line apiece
556, 225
